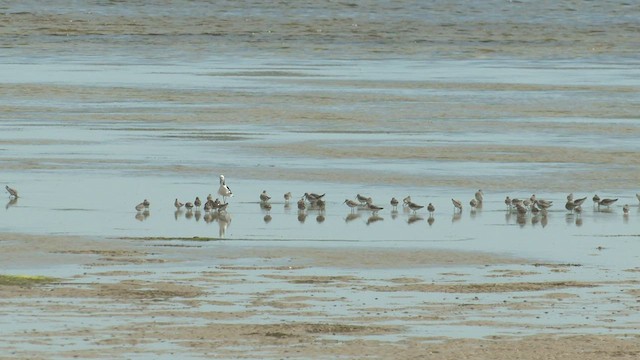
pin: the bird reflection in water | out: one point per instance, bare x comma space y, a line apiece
374, 218
12, 201
457, 215
414, 218
224, 219
267, 219
351, 216
431, 220
302, 216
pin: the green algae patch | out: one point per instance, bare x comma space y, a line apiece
25, 280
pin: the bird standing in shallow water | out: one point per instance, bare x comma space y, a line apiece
178, 204
224, 190
413, 206
431, 208
264, 197
606, 202
479, 196
352, 204
473, 203
457, 204
13, 193
394, 203
301, 205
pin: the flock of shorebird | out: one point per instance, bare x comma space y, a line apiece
313, 201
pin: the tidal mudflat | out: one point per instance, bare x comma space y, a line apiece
106, 104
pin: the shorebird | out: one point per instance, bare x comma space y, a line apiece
431, 208
374, 208
473, 203
352, 204
479, 196
224, 190
312, 197
534, 209
570, 205
140, 207
209, 197
301, 205
507, 201
596, 199
188, 205
625, 209
521, 209
543, 204
223, 207
287, 197
197, 202
363, 199
415, 207
320, 204
570, 197
264, 197
208, 206
606, 202
406, 201
457, 204
178, 204
146, 203
394, 203
13, 193
579, 202
578, 210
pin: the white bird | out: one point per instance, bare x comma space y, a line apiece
12, 192
224, 190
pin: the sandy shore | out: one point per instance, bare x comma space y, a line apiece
136, 298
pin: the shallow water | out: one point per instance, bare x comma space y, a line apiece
110, 103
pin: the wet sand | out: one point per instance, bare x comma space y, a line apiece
107, 103
120, 298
